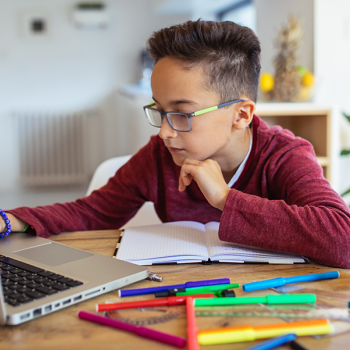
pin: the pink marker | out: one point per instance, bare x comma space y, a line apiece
143, 332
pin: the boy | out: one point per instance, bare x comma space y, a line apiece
223, 164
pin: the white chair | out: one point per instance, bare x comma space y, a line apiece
146, 214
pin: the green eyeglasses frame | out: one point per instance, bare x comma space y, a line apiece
188, 115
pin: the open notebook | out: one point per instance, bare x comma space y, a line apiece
190, 242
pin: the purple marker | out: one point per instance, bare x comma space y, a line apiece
152, 290
143, 332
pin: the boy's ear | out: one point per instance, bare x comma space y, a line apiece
244, 115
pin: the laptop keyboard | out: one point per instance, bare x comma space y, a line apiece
23, 283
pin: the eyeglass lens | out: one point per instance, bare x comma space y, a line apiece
177, 121
154, 117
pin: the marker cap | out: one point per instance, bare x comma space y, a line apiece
290, 298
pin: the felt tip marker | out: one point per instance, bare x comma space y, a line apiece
191, 325
281, 281
269, 299
170, 301
216, 289
141, 331
152, 290
250, 333
273, 343
209, 289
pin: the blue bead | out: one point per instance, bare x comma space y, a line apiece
7, 223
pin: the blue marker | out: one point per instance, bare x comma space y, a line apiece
280, 281
152, 290
273, 343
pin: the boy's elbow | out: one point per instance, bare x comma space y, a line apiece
339, 257
343, 264
335, 247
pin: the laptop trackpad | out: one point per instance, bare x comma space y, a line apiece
52, 254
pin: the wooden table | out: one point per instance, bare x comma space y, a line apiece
63, 330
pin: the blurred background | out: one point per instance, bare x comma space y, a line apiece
74, 76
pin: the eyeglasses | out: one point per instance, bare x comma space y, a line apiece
177, 120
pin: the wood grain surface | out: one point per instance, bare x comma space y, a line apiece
64, 330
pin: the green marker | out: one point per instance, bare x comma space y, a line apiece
208, 289
269, 299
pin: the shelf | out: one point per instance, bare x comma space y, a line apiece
323, 161
307, 120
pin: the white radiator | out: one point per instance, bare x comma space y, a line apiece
52, 148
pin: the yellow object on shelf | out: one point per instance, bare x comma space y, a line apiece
308, 79
267, 82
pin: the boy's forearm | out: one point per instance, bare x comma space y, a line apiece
319, 232
16, 224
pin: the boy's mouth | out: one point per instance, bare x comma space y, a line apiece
175, 150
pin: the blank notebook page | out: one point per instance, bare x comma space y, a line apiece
221, 250
184, 238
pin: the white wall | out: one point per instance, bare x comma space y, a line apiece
72, 69
205, 9
332, 51
245, 16
332, 68
271, 15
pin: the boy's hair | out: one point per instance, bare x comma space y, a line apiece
228, 53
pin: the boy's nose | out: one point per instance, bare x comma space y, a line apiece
166, 131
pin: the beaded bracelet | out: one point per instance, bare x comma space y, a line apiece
7, 223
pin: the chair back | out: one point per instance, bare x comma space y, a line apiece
146, 214
105, 171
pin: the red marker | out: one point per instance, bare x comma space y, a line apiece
170, 301
192, 341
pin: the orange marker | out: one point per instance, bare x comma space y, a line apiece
149, 303
192, 340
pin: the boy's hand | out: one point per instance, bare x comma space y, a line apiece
16, 224
208, 176
2, 224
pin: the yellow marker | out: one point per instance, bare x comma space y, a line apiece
249, 333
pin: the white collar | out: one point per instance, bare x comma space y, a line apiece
241, 167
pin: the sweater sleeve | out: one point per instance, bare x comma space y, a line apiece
298, 211
107, 208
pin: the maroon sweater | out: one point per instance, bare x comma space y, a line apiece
280, 202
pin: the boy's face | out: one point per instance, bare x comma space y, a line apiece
213, 134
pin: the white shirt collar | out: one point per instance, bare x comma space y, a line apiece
241, 167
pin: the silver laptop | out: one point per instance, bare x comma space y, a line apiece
40, 276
